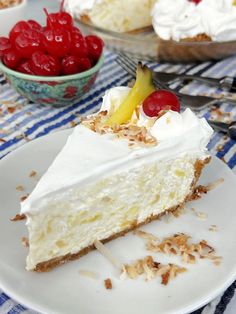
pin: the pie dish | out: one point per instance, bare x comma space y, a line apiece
177, 37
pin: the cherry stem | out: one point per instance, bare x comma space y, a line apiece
62, 6
49, 17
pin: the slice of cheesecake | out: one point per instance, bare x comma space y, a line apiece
108, 180
116, 15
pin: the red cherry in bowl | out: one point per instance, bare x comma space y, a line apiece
25, 67
70, 65
57, 42
160, 100
29, 42
11, 59
95, 46
5, 45
35, 25
45, 65
18, 28
84, 64
60, 20
79, 46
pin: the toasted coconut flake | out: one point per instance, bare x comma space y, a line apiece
201, 215
130, 131
180, 244
107, 254
151, 269
108, 284
145, 235
213, 185
88, 274
18, 217
25, 241
20, 188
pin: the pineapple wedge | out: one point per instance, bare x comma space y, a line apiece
142, 88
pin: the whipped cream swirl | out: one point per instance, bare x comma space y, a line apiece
181, 19
80, 7
169, 126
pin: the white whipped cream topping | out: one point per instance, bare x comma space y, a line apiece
79, 7
181, 19
88, 155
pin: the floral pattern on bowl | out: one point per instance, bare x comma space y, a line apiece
57, 91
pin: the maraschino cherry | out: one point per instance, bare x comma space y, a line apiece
57, 41
59, 48
29, 42
160, 100
45, 65
61, 19
5, 45
95, 46
195, 1
11, 58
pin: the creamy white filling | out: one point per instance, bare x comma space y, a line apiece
116, 15
96, 211
181, 19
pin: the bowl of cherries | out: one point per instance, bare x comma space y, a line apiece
52, 64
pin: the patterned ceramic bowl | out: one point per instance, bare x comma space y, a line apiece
54, 90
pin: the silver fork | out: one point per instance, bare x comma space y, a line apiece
192, 102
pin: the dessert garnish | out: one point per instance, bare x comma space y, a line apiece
142, 88
160, 100
59, 48
181, 245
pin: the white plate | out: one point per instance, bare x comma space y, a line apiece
64, 290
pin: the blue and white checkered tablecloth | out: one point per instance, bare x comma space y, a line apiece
21, 121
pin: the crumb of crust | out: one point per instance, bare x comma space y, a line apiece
24, 197
152, 269
180, 244
213, 228
2, 140
108, 284
33, 174
18, 217
25, 241
133, 133
20, 188
178, 212
203, 189
197, 193
220, 148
